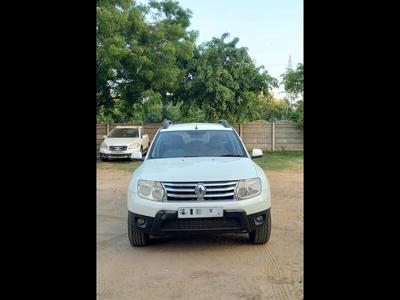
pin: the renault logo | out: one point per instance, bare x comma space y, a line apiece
200, 191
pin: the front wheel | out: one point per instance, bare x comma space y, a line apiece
137, 238
262, 232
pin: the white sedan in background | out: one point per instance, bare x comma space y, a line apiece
122, 141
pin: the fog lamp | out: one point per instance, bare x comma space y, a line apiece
140, 221
260, 218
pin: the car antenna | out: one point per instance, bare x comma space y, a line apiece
196, 127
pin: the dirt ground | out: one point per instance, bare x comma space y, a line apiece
200, 267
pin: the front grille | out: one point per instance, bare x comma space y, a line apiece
200, 224
118, 148
215, 190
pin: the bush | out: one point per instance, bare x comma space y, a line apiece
172, 112
193, 113
297, 113
152, 107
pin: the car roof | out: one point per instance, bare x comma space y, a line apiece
193, 126
127, 126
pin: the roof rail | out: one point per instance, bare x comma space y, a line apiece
166, 123
224, 123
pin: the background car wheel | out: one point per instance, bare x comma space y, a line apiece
137, 238
262, 232
103, 159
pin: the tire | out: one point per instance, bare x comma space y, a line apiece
137, 238
103, 159
262, 232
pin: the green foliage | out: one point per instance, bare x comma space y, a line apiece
172, 112
272, 109
223, 81
293, 81
135, 55
297, 113
149, 68
193, 113
152, 107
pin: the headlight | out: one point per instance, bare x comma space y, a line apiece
248, 188
151, 190
134, 145
104, 145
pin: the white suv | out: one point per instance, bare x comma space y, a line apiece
122, 141
198, 178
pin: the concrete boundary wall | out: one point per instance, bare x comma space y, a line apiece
278, 136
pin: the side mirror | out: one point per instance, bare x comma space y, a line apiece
136, 155
256, 153
104, 136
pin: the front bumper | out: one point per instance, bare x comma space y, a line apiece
112, 154
150, 208
166, 222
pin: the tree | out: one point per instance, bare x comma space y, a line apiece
148, 67
140, 49
110, 41
297, 113
293, 81
224, 81
274, 109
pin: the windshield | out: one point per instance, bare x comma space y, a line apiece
124, 133
197, 143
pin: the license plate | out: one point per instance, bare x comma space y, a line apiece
117, 152
200, 212
119, 156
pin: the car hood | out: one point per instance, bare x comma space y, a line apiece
120, 141
198, 169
